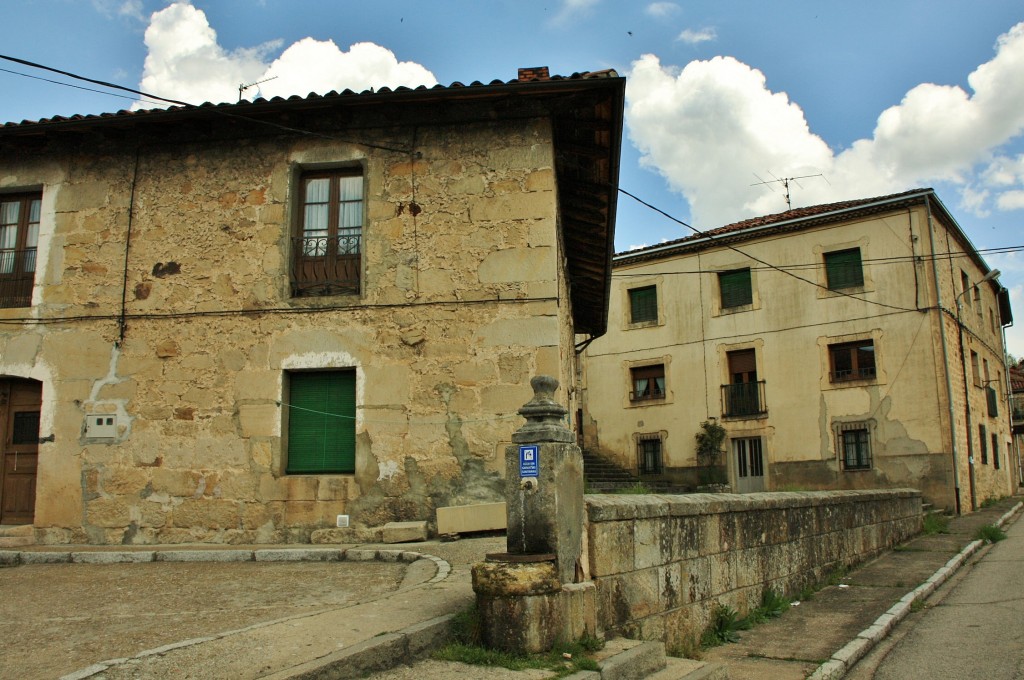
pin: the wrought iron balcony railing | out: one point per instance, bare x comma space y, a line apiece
866, 373
17, 275
743, 399
324, 265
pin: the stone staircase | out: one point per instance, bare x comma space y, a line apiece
15, 536
603, 476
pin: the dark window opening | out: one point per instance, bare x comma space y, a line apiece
649, 453
648, 382
852, 361
843, 269
854, 440
983, 440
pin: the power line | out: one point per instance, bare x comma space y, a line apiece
763, 262
877, 261
213, 109
77, 87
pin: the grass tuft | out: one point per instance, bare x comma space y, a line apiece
990, 533
934, 523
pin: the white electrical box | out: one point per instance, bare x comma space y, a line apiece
101, 426
342, 521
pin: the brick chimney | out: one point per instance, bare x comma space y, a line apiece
534, 73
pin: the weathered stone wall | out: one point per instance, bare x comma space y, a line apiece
663, 563
463, 299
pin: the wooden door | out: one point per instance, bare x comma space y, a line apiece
19, 426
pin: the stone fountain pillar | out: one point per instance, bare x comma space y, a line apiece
532, 595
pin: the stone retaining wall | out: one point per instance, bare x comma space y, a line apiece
663, 563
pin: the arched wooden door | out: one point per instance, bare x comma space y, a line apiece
19, 432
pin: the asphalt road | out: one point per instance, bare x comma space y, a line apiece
971, 628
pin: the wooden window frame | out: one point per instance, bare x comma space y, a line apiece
18, 256
328, 261
649, 390
856, 357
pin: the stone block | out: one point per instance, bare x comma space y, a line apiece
537, 331
298, 555
112, 557
464, 519
32, 557
611, 548
204, 556
404, 532
259, 420
514, 265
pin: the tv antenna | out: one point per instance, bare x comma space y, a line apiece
784, 181
242, 88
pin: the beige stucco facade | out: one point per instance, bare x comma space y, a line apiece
464, 297
913, 257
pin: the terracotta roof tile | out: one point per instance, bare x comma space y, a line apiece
777, 218
141, 113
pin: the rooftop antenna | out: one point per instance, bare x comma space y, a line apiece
242, 88
784, 181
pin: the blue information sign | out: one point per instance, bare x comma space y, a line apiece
529, 460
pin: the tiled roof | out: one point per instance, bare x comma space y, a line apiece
1016, 379
241, 106
789, 216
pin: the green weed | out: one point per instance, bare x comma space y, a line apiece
991, 500
724, 627
934, 523
990, 533
638, 488
563, 659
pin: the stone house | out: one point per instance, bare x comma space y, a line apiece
236, 322
853, 345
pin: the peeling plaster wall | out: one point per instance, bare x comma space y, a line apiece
790, 325
464, 298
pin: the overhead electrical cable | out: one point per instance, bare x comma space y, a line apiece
769, 265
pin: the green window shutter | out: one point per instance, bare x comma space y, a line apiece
843, 269
735, 288
643, 304
321, 424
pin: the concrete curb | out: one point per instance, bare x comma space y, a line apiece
844, 659
416, 640
13, 558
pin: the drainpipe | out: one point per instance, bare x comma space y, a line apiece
945, 357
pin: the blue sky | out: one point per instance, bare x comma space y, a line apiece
877, 97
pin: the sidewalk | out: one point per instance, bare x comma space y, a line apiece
823, 637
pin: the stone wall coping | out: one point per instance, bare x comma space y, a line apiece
611, 507
13, 558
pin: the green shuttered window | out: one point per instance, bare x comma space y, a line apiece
321, 422
735, 287
643, 304
843, 269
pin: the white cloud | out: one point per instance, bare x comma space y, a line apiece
662, 10
572, 8
185, 62
131, 9
692, 37
708, 127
